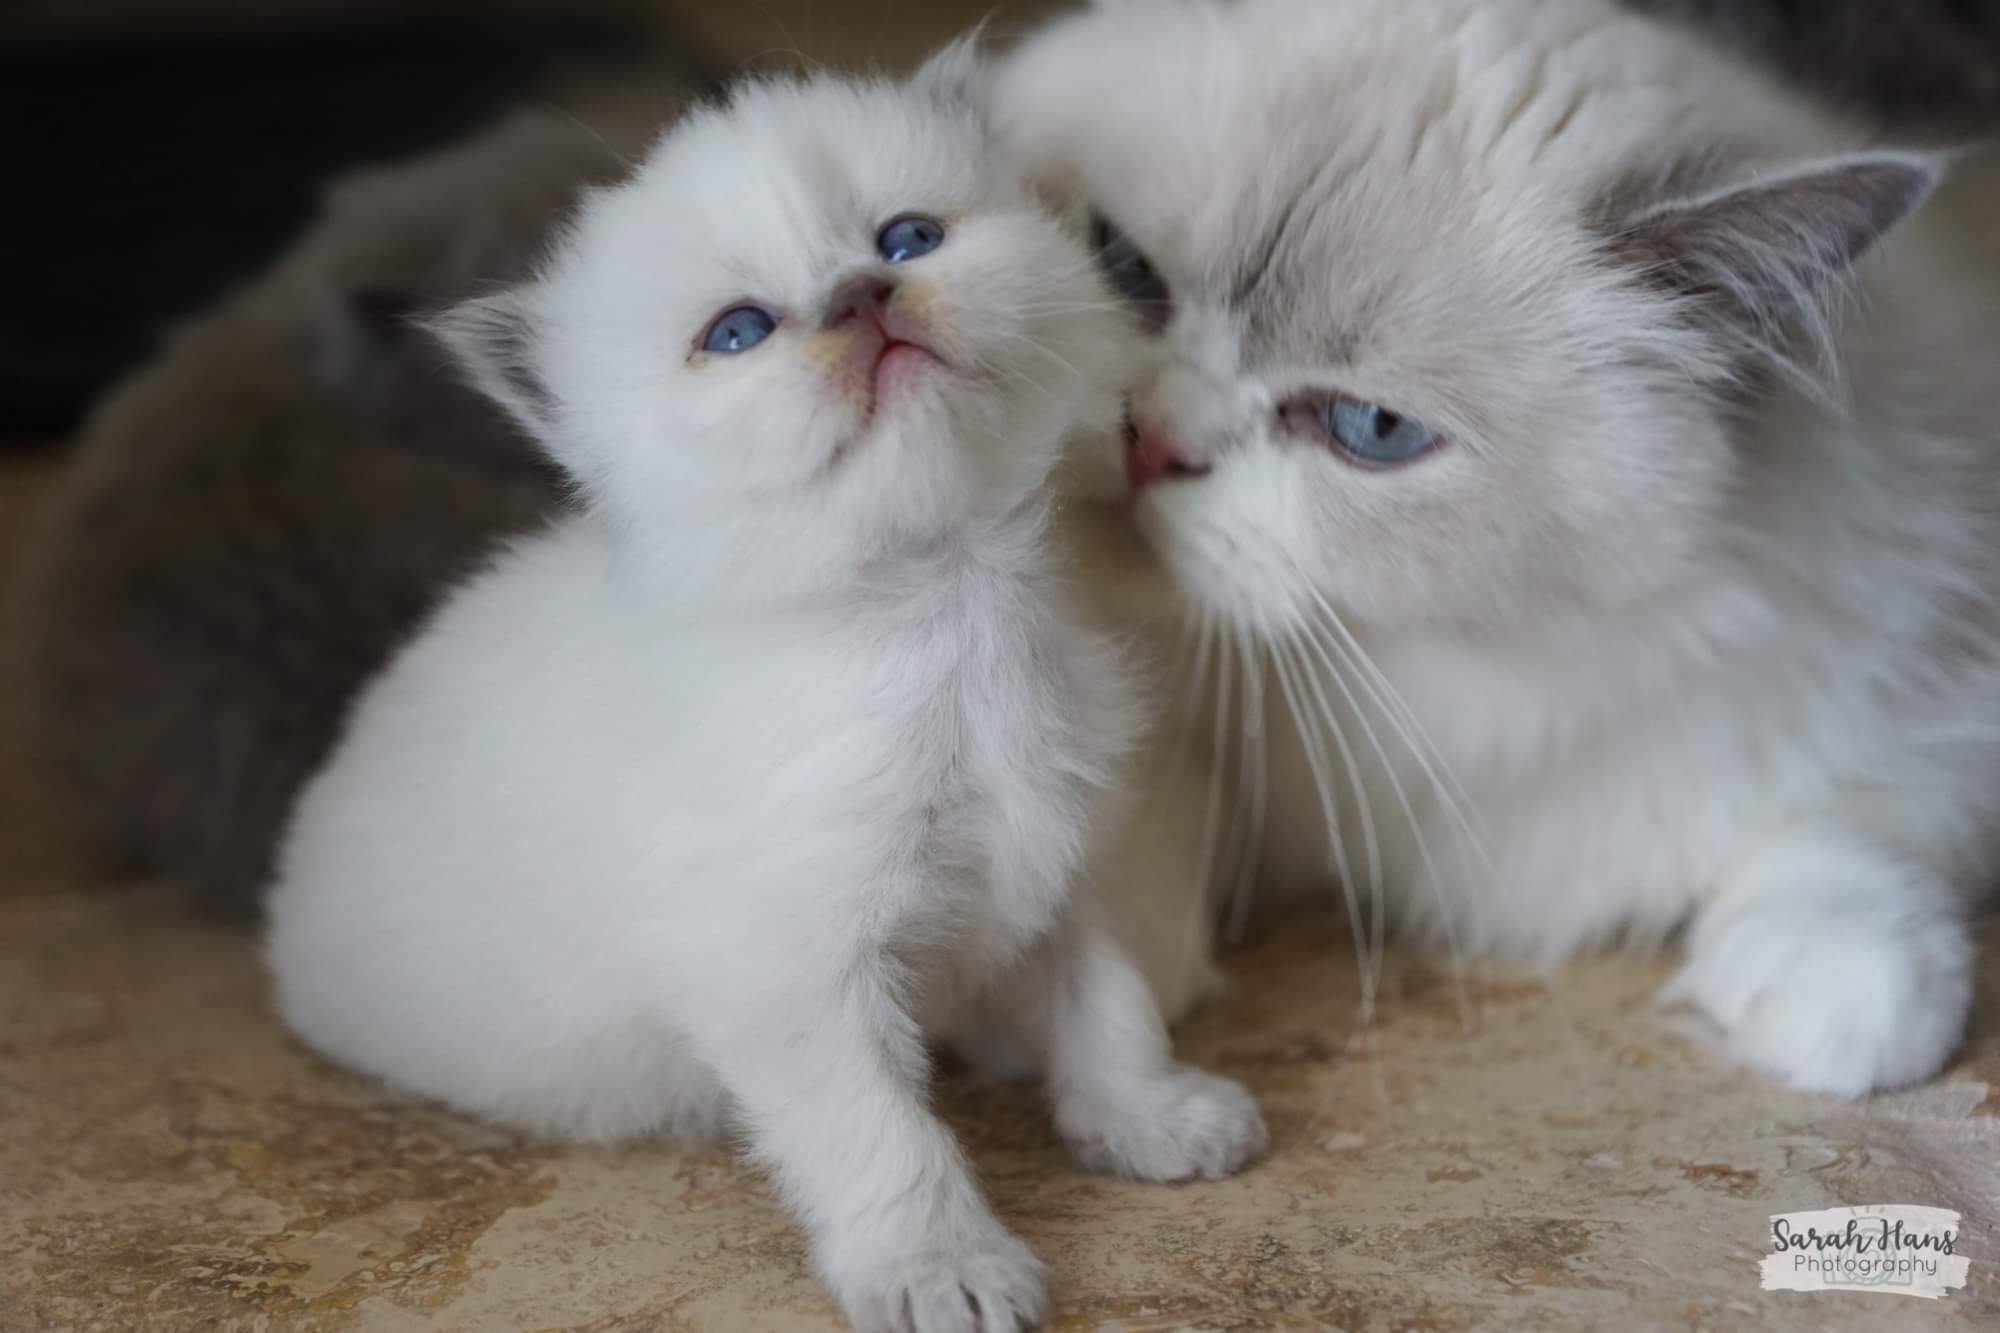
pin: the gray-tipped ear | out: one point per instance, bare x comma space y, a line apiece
957, 77
1774, 253
492, 340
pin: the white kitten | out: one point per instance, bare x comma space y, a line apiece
1601, 448
712, 803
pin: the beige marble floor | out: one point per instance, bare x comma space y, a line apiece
172, 1161
1534, 1157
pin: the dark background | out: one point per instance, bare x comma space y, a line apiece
155, 150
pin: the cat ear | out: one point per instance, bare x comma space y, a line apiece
1773, 254
957, 77
492, 340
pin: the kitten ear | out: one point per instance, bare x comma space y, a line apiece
1772, 254
957, 77
492, 340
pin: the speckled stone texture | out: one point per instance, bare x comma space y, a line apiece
1493, 1153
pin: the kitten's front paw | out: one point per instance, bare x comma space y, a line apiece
1184, 1125
1839, 998
996, 1286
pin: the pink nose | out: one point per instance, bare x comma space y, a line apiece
1151, 455
858, 297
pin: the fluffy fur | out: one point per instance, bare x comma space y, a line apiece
713, 802
1689, 619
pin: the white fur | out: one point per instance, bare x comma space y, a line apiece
1694, 611
708, 806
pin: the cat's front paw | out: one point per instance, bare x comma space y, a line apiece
1841, 998
1179, 1125
994, 1286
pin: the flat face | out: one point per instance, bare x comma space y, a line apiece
1392, 339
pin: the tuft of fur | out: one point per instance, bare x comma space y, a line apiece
1690, 619
711, 803
255, 519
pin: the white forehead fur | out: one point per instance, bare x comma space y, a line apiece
1403, 201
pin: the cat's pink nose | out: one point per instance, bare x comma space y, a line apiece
865, 294
1151, 455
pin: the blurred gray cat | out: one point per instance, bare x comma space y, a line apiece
1917, 66
254, 520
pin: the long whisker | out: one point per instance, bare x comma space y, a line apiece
1469, 837
1393, 704
1195, 925
1254, 750
1289, 657
1212, 818
1231, 852
1402, 796
1371, 843
1317, 761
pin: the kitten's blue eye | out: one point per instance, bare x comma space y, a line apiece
739, 329
909, 238
1131, 272
1366, 433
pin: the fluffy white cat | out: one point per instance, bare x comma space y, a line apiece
708, 806
1595, 449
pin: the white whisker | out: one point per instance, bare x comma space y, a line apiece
1212, 818
1397, 789
1319, 764
1254, 747
1392, 703
1467, 837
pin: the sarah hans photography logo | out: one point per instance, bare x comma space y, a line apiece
1903, 1249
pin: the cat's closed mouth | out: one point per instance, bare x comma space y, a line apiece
900, 356
893, 356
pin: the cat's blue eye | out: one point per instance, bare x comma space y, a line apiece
739, 329
1367, 433
1131, 272
909, 238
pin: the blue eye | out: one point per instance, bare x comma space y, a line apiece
739, 329
1366, 432
909, 238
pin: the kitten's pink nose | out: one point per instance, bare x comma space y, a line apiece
862, 294
1151, 455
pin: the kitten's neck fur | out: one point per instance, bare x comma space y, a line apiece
777, 572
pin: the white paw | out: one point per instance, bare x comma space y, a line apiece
1841, 998
1184, 1125
996, 1286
